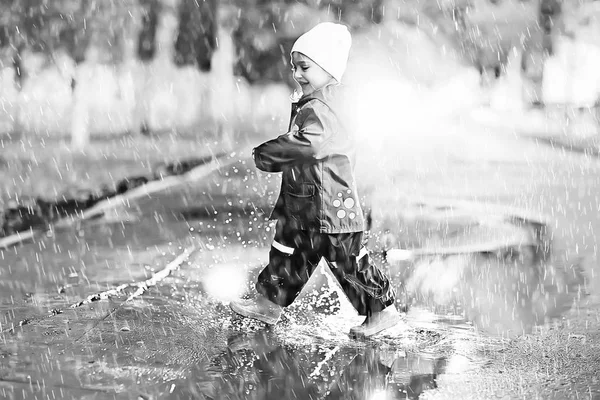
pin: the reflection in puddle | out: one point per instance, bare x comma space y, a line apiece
504, 269
378, 375
310, 356
258, 365
504, 293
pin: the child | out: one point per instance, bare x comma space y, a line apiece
318, 212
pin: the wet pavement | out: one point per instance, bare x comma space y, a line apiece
483, 325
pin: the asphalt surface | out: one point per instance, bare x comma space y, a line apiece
507, 324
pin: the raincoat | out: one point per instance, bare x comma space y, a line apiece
316, 158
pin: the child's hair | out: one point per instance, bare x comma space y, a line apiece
327, 44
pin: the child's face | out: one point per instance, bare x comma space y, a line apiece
308, 74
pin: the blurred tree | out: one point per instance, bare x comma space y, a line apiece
44, 26
196, 40
36, 26
267, 30
548, 18
147, 38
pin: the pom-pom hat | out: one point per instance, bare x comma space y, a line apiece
327, 44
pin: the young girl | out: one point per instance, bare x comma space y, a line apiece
318, 211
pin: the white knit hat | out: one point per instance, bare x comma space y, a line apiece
327, 44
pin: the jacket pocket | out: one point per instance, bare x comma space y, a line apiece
300, 201
302, 190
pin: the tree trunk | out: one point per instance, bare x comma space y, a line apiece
132, 77
147, 37
222, 90
80, 129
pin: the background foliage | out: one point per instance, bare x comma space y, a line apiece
263, 30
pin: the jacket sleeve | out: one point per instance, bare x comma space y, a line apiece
305, 143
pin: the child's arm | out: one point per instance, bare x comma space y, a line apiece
304, 144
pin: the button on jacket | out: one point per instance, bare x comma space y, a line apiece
316, 158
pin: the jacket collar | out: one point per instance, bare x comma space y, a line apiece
326, 95
329, 95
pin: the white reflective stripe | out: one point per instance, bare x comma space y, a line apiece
399, 255
283, 248
363, 252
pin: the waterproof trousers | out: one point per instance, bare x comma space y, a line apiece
295, 254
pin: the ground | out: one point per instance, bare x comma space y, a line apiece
178, 338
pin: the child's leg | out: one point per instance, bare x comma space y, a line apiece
367, 287
293, 257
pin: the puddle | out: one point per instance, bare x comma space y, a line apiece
179, 339
316, 359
